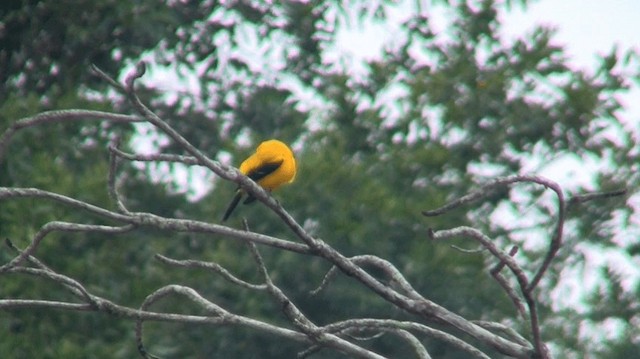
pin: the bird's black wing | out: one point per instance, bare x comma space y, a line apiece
264, 170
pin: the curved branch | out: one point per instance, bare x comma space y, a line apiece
190, 263
165, 291
515, 269
420, 350
503, 328
111, 178
556, 240
385, 324
61, 227
151, 220
7, 192
511, 293
60, 116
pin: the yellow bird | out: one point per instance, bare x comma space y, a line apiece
271, 166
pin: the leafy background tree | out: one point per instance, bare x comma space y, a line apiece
437, 114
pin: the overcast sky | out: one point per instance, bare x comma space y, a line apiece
587, 28
584, 27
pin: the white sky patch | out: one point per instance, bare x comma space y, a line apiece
570, 291
585, 28
571, 171
577, 282
593, 332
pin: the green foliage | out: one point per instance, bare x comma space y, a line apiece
374, 148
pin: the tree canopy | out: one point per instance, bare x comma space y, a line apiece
439, 115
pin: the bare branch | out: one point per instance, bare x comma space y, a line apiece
111, 180
72, 285
504, 329
6, 192
9, 304
390, 270
578, 199
405, 297
60, 116
495, 273
165, 291
44, 271
62, 227
98, 304
213, 267
420, 350
485, 190
505, 258
298, 319
151, 220
159, 157
385, 324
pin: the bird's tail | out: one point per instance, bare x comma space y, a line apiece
233, 204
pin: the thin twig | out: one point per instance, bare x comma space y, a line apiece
579, 199
331, 274
215, 267
511, 293
467, 251
111, 178
158, 157
387, 267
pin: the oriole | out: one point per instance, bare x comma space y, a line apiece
271, 166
